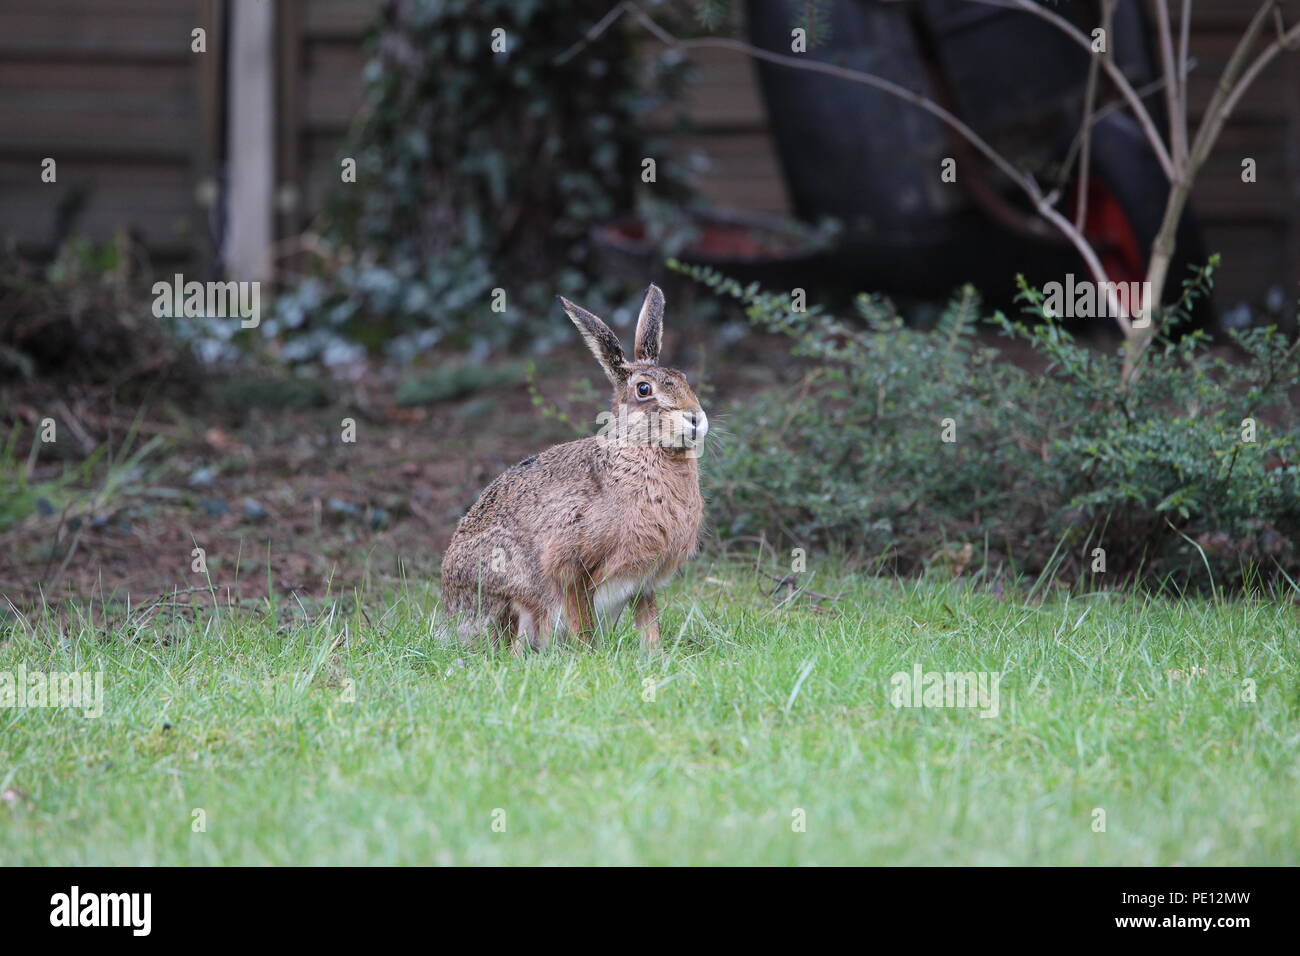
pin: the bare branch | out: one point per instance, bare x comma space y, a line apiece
1025, 182
607, 21
1184, 32
1287, 41
1173, 106
1112, 106
1115, 74
1228, 79
1180, 168
1089, 106
1234, 82
880, 83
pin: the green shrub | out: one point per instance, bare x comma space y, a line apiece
476, 170
1046, 466
450, 382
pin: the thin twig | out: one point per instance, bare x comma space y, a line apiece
1184, 32
1024, 181
1227, 81
67, 559
1089, 106
1108, 109
1177, 137
1115, 74
792, 582
1286, 41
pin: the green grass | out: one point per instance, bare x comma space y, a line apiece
287, 771
108, 475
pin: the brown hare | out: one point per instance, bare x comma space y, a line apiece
570, 536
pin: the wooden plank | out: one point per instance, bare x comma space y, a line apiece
93, 109
209, 87
724, 96
331, 85
152, 199
339, 19
1253, 260
289, 118
64, 30
741, 170
321, 154
1219, 190
1226, 14
205, 166
1268, 96
129, 9
94, 135
82, 79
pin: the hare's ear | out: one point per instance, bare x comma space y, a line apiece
602, 341
650, 326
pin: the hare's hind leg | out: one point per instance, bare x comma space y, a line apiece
580, 611
646, 610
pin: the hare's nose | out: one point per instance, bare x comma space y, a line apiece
699, 424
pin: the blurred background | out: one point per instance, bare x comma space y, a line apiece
146, 130
413, 182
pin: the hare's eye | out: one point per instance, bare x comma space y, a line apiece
643, 389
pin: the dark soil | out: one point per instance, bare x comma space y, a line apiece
255, 472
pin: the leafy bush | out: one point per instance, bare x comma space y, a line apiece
1046, 465
450, 382
475, 170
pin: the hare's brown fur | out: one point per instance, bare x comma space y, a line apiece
584, 527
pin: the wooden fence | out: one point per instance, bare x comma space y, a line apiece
136, 121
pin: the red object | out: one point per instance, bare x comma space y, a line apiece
1108, 228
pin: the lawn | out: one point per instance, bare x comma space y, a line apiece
344, 732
